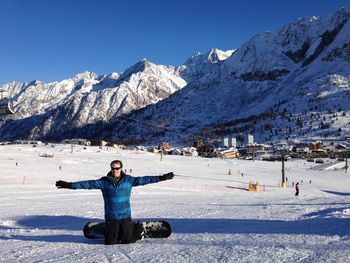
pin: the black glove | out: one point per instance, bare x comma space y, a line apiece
167, 176
63, 184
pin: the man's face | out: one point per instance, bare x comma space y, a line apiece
116, 169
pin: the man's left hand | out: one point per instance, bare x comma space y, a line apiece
167, 176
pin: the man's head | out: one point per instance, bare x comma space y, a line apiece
116, 168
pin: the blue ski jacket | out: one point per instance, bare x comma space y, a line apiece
116, 195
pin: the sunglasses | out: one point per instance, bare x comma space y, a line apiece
115, 168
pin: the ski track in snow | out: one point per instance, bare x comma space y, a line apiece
210, 222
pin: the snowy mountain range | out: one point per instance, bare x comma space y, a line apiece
290, 83
51, 111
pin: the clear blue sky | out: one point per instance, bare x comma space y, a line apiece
53, 40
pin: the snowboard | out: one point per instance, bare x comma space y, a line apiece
151, 229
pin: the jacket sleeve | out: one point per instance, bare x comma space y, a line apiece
143, 180
90, 184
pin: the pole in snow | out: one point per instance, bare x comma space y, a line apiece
161, 153
284, 185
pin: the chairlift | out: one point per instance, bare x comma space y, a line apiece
6, 107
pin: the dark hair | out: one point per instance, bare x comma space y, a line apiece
117, 161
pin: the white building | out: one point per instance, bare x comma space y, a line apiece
228, 142
250, 139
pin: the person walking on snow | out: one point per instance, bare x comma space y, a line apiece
297, 188
116, 190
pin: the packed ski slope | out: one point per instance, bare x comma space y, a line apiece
213, 218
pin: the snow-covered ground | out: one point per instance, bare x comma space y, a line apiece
213, 218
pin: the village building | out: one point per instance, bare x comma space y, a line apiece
316, 145
84, 142
28, 142
228, 153
99, 143
164, 146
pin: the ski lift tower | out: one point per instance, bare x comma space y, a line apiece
284, 152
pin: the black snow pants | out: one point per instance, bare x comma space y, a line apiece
119, 231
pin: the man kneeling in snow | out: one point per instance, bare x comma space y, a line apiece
116, 190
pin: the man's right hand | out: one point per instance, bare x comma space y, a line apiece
63, 184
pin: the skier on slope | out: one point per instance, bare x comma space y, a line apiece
116, 190
297, 189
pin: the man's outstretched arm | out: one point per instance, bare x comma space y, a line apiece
90, 184
152, 179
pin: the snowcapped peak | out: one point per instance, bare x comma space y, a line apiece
142, 63
35, 82
138, 67
199, 64
86, 75
109, 78
113, 75
307, 19
213, 56
159, 77
216, 55
13, 83
319, 23
197, 56
313, 18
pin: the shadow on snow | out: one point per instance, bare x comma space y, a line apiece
314, 226
32, 225
336, 193
310, 226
